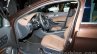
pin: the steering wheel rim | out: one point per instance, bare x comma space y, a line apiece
44, 21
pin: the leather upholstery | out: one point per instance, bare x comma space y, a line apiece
53, 42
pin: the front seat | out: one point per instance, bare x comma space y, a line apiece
55, 42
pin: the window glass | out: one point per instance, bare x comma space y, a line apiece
59, 9
90, 11
94, 11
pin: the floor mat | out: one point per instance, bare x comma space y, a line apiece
31, 48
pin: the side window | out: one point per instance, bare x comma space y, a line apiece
90, 11
59, 8
1, 21
94, 11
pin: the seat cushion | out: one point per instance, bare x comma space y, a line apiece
53, 42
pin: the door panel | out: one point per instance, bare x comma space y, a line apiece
6, 35
3, 32
86, 38
88, 31
3, 36
83, 44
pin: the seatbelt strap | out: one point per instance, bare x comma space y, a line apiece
66, 19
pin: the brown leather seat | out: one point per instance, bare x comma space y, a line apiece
53, 42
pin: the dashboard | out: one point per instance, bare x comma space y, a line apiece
25, 20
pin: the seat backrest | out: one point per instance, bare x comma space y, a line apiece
68, 30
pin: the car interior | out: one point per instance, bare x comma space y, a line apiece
46, 29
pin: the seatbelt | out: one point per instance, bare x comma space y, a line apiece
66, 19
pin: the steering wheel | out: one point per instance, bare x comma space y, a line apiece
44, 22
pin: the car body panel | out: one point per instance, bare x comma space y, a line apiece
86, 36
88, 31
84, 44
